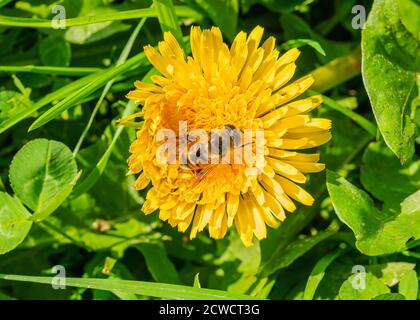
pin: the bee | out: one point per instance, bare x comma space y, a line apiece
204, 157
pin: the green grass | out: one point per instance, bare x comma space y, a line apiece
181, 11
158, 290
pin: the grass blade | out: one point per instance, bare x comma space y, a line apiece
317, 274
297, 43
284, 258
168, 18
4, 2
68, 91
150, 289
158, 263
71, 93
97, 172
224, 14
122, 58
56, 95
181, 11
88, 88
99, 169
60, 71
360, 120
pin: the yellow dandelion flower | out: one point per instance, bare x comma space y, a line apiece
229, 91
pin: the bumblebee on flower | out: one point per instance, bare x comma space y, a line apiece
242, 93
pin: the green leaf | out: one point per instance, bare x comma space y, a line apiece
297, 43
317, 274
409, 11
389, 69
354, 207
409, 285
249, 259
389, 296
390, 273
55, 51
411, 204
94, 32
224, 14
384, 176
55, 202
274, 5
293, 251
11, 103
367, 288
40, 174
14, 222
158, 263
375, 233
150, 289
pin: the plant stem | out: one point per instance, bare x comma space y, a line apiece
360, 120
48, 225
